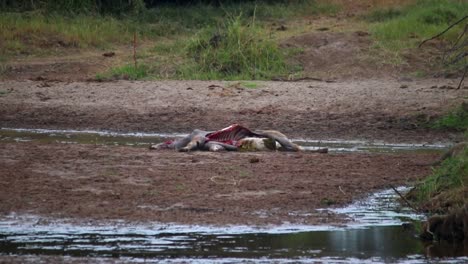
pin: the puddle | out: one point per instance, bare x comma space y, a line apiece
375, 236
144, 139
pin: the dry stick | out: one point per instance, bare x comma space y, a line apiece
455, 45
443, 32
406, 201
463, 78
339, 187
134, 49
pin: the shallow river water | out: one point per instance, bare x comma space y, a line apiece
375, 235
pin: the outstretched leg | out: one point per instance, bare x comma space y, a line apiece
193, 141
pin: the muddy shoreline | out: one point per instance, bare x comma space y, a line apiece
107, 182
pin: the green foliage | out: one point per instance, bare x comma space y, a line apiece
398, 29
25, 33
249, 85
246, 49
127, 72
116, 7
455, 120
447, 184
381, 15
234, 51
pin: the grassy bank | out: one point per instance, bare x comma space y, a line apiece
400, 28
37, 34
180, 36
396, 30
447, 187
456, 120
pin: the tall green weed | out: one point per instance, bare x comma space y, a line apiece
236, 50
447, 185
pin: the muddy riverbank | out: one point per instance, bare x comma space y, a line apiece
116, 182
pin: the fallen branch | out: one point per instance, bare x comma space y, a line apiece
417, 210
463, 78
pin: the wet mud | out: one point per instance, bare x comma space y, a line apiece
119, 182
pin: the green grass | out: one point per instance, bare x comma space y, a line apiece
127, 72
447, 186
455, 120
246, 51
399, 29
235, 51
34, 33
250, 85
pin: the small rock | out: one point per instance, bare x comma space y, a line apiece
403, 86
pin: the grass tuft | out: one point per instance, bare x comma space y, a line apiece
446, 187
127, 72
234, 51
455, 120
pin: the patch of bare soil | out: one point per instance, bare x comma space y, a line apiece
352, 8
334, 55
73, 66
349, 55
104, 182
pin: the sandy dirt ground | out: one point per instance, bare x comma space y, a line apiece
107, 182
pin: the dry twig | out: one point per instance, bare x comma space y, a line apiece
443, 32
417, 210
457, 52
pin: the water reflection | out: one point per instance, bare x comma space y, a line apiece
380, 243
383, 242
444, 249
